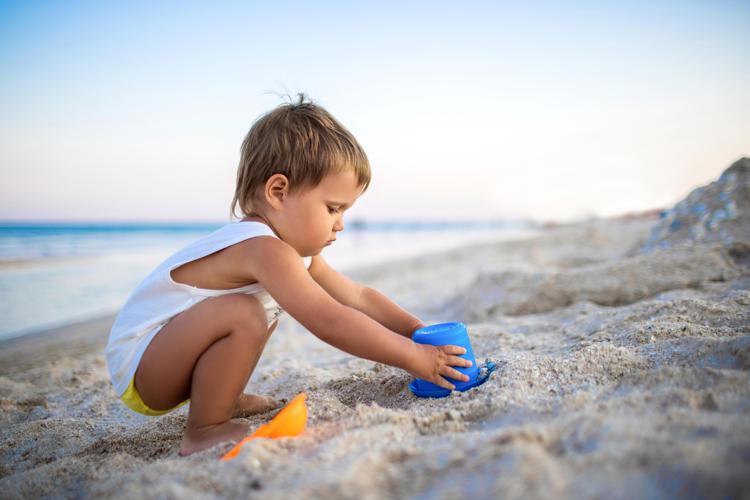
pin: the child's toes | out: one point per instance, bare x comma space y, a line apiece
252, 404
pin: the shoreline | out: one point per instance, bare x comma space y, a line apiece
77, 288
22, 352
74, 327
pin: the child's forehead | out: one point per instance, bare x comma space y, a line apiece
340, 184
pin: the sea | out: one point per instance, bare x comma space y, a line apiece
54, 274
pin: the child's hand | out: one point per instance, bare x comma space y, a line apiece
435, 361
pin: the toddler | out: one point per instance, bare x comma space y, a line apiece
194, 329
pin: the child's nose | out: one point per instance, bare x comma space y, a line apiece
339, 225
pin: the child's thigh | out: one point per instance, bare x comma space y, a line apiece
166, 368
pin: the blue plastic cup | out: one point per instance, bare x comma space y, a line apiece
444, 334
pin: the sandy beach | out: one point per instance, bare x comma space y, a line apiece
622, 346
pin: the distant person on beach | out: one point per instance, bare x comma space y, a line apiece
195, 328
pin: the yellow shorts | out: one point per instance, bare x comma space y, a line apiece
133, 400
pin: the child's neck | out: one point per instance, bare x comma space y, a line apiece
253, 217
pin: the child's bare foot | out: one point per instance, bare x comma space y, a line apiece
198, 439
251, 404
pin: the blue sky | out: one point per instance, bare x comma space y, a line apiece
478, 110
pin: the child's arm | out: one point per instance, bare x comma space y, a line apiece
364, 299
278, 267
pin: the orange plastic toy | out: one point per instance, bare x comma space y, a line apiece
289, 422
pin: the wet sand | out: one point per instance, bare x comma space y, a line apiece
622, 372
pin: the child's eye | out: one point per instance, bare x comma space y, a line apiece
333, 210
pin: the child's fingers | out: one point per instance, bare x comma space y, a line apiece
454, 374
443, 383
453, 349
456, 361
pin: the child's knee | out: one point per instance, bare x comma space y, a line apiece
247, 314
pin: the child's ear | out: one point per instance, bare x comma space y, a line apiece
277, 190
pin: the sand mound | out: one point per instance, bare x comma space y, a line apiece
609, 284
719, 212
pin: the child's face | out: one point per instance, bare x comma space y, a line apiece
312, 217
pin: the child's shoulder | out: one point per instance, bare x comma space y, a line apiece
261, 251
234, 265
256, 248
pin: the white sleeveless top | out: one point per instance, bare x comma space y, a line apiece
158, 298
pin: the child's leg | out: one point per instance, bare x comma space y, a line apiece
251, 404
206, 353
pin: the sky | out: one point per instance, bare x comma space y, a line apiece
472, 110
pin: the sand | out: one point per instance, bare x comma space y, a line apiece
622, 372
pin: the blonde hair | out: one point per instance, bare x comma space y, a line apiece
301, 141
